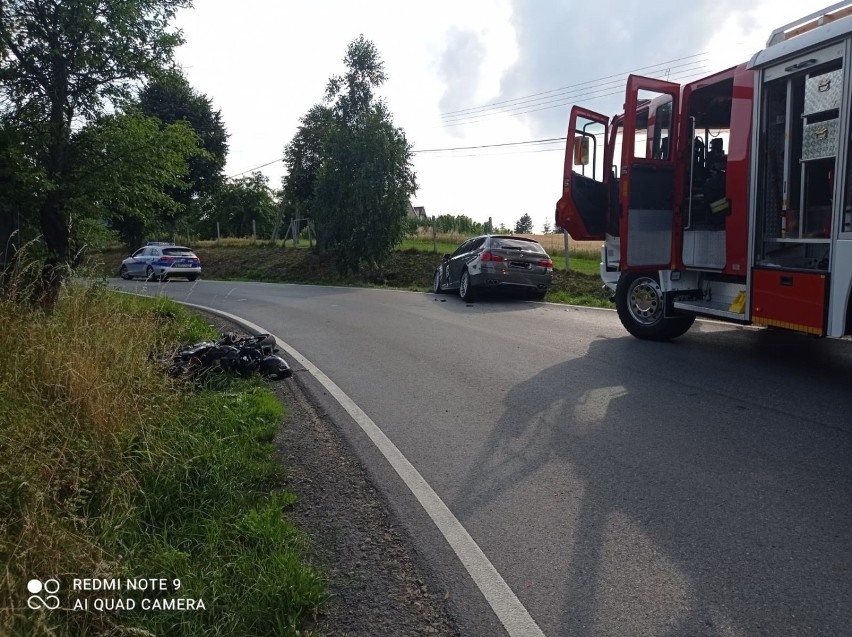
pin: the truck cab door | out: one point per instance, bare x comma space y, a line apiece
647, 192
582, 208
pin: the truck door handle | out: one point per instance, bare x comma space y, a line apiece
787, 280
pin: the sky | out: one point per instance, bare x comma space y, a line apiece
461, 74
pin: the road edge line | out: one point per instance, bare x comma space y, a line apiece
500, 597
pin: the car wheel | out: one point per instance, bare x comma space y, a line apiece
437, 286
640, 304
192, 277
124, 274
151, 275
538, 295
466, 288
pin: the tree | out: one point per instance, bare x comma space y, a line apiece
171, 99
65, 62
524, 225
363, 190
238, 203
460, 224
122, 168
350, 167
302, 158
546, 229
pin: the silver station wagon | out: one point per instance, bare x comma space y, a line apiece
495, 261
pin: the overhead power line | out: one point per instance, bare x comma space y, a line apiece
568, 99
550, 140
269, 163
669, 64
531, 141
560, 149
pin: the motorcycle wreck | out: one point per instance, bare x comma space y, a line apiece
243, 356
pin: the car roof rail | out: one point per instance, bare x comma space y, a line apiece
159, 243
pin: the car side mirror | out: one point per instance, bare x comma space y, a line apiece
446, 257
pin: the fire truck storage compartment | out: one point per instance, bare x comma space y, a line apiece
823, 92
799, 145
793, 300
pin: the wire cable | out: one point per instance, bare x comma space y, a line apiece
490, 105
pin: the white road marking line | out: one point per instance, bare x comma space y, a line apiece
503, 601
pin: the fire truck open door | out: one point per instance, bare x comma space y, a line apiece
647, 184
582, 208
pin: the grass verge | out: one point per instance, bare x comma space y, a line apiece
112, 471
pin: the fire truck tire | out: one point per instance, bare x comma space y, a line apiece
640, 303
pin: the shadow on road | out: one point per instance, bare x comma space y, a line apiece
704, 484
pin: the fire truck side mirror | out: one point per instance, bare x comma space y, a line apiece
581, 150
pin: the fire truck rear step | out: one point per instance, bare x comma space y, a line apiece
710, 308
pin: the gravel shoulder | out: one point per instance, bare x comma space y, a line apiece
378, 583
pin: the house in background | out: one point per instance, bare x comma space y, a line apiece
416, 212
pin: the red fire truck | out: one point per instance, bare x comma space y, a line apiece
729, 197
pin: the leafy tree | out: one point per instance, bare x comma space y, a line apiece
238, 203
19, 178
65, 62
352, 165
171, 99
121, 168
363, 190
459, 223
524, 225
302, 158
546, 228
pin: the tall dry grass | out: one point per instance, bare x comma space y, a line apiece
109, 468
77, 395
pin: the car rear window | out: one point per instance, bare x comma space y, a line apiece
514, 244
178, 252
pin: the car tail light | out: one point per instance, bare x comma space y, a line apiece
196, 261
488, 256
167, 259
546, 263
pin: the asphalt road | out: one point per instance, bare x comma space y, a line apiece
699, 487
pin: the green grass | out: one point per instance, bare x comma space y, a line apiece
111, 469
425, 245
582, 262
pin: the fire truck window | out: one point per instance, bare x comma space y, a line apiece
846, 219
662, 132
588, 156
640, 142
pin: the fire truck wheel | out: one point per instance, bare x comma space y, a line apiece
641, 303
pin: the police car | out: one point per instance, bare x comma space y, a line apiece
158, 260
